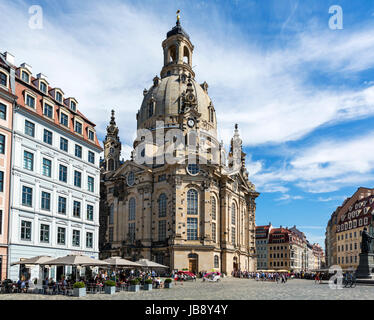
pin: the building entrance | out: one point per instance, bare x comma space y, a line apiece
193, 263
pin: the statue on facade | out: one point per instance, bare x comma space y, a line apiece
366, 240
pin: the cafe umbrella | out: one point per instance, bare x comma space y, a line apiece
77, 261
121, 262
148, 264
38, 260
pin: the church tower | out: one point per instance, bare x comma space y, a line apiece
112, 146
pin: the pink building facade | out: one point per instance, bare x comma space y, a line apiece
7, 102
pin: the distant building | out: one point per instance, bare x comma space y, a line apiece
262, 237
344, 229
287, 249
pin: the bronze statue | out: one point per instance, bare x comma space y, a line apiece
366, 239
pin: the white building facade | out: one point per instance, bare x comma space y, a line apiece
55, 180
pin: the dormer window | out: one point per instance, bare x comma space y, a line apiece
58, 96
48, 110
73, 106
91, 135
3, 79
64, 119
30, 101
25, 77
78, 127
43, 87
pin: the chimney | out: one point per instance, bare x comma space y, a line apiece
41, 76
26, 66
9, 57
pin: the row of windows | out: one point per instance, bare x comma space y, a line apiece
48, 111
27, 196
277, 255
278, 248
44, 235
352, 224
162, 208
278, 264
341, 237
25, 76
64, 143
341, 248
348, 259
28, 164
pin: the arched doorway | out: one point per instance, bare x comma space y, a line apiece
235, 264
193, 260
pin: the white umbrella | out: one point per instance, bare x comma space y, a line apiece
34, 260
76, 260
120, 262
150, 264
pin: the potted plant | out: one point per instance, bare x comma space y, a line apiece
79, 289
148, 284
110, 287
168, 283
134, 285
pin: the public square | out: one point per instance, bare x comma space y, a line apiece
226, 289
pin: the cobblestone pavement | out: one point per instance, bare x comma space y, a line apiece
227, 289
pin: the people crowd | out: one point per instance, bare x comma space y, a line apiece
49, 285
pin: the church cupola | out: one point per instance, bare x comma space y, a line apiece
177, 52
112, 146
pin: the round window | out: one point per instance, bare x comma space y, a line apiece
193, 169
130, 179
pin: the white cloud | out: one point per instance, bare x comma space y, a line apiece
105, 54
287, 197
326, 166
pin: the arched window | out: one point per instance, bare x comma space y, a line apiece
162, 205
186, 55
233, 214
192, 201
132, 208
172, 53
216, 262
233, 222
110, 165
111, 214
214, 207
211, 115
150, 109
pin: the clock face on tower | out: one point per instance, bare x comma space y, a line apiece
191, 122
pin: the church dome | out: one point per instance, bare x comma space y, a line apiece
177, 91
164, 101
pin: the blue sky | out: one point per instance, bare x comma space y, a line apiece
302, 94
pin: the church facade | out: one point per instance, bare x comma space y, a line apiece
179, 200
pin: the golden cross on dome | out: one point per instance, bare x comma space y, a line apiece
178, 16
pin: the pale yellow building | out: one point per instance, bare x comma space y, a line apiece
350, 219
196, 216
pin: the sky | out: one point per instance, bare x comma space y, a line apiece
301, 91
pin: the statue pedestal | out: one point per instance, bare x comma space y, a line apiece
365, 269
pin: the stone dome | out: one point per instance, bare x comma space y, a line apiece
166, 95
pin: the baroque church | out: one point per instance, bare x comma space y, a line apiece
196, 216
